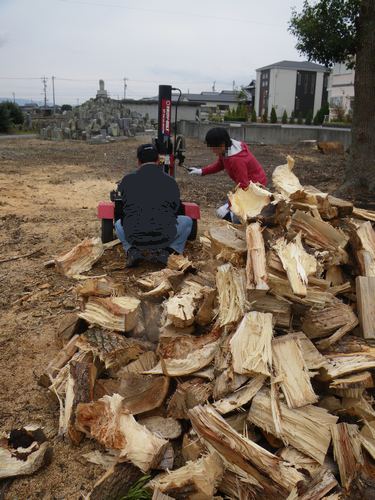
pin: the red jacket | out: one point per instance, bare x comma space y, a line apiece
241, 166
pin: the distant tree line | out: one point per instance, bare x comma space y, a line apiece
10, 115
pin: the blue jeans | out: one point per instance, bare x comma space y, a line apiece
184, 225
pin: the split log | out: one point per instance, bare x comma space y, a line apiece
228, 382
239, 452
61, 359
179, 263
251, 344
160, 283
195, 481
340, 365
256, 273
241, 397
279, 307
344, 207
99, 287
231, 287
367, 438
79, 389
236, 486
358, 407
22, 452
248, 203
182, 308
321, 236
335, 321
315, 489
352, 386
227, 245
96, 457
365, 288
111, 348
115, 313
187, 354
187, 395
307, 429
300, 461
364, 214
192, 448
298, 264
81, 258
291, 369
158, 495
116, 482
206, 311
347, 451
335, 276
140, 393
285, 181
331, 147
105, 421
313, 358
146, 361
69, 326
364, 244
167, 428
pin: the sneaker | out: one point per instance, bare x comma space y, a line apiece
133, 257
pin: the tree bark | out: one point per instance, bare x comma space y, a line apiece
361, 169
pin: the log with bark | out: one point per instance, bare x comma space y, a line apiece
111, 348
81, 258
307, 429
196, 480
114, 313
248, 203
116, 482
109, 423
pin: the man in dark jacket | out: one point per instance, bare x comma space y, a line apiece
150, 226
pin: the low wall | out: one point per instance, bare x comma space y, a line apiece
268, 133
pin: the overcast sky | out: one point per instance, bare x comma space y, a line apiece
189, 44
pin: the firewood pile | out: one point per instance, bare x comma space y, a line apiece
245, 375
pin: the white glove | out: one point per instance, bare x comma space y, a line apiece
195, 171
222, 211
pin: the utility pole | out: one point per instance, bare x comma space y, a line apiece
14, 97
125, 87
233, 85
53, 94
44, 81
213, 86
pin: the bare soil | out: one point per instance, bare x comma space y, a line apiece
48, 197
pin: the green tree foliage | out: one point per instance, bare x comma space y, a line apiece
292, 118
66, 107
320, 115
300, 119
4, 119
284, 118
326, 31
309, 118
265, 116
15, 113
253, 116
273, 116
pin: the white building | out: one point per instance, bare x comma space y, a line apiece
341, 89
298, 86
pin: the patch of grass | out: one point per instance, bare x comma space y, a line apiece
138, 490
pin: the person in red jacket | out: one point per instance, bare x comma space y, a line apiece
235, 158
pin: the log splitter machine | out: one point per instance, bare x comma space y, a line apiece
169, 151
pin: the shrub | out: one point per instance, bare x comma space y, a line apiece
273, 116
265, 116
300, 119
66, 107
5, 121
15, 113
253, 116
309, 118
284, 118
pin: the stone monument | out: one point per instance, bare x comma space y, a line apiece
101, 92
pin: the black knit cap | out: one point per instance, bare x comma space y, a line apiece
147, 153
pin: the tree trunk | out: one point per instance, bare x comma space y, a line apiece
361, 169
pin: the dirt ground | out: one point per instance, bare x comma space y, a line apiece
48, 197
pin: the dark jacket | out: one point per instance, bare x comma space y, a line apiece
151, 202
